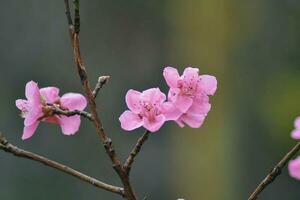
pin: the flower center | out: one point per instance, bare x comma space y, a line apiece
188, 86
149, 110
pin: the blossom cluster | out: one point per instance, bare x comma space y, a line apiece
36, 108
187, 101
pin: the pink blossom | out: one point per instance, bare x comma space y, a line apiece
147, 109
189, 93
36, 109
294, 168
296, 132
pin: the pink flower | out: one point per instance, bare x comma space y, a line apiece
296, 132
147, 109
294, 168
36, 109
189, 93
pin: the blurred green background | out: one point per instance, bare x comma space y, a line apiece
252, 47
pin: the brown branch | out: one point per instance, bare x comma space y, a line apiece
276, 171
67, 113
128, 191
102, 80
6, 146
135, 151
68, 13
76, 16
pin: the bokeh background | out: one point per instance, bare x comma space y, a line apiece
252, 47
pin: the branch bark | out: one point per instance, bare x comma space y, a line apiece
6, 146
276, 171
81, 69
135, 151
68, 113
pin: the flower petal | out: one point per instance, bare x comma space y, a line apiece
21, 104
190, 73
183, 103
50, 94
130, 121
73, 101
132, 99
200, 106
32, 92
297, 123
69, 125
170, 111
155, 125
153, 96
33, 114
296, 134
180, 123
194, 121
171, 76
208, 84
28, 131
294, 168
173, 94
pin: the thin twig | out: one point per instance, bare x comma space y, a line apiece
76, 16
128, 191
135, 151
276, 171
102, 80
68, 13
6, 146
59, 111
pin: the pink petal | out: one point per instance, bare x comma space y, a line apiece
69, 125
50, 94
194, 121
294, 168
200, 106
73, 101
190, 73
296, 134
208, 84
130, 121
32, 92
155, 125
33, 114
154, 96
133, 100
180, 123
33, 105
21, 104
183, 103
173, 94
297, 123
171, 76
28, 131
170, 111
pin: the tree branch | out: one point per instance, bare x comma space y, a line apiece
6, 146
276, 171
68, 13
102, 80
128, 191
76, 16
67, 113
135, 151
